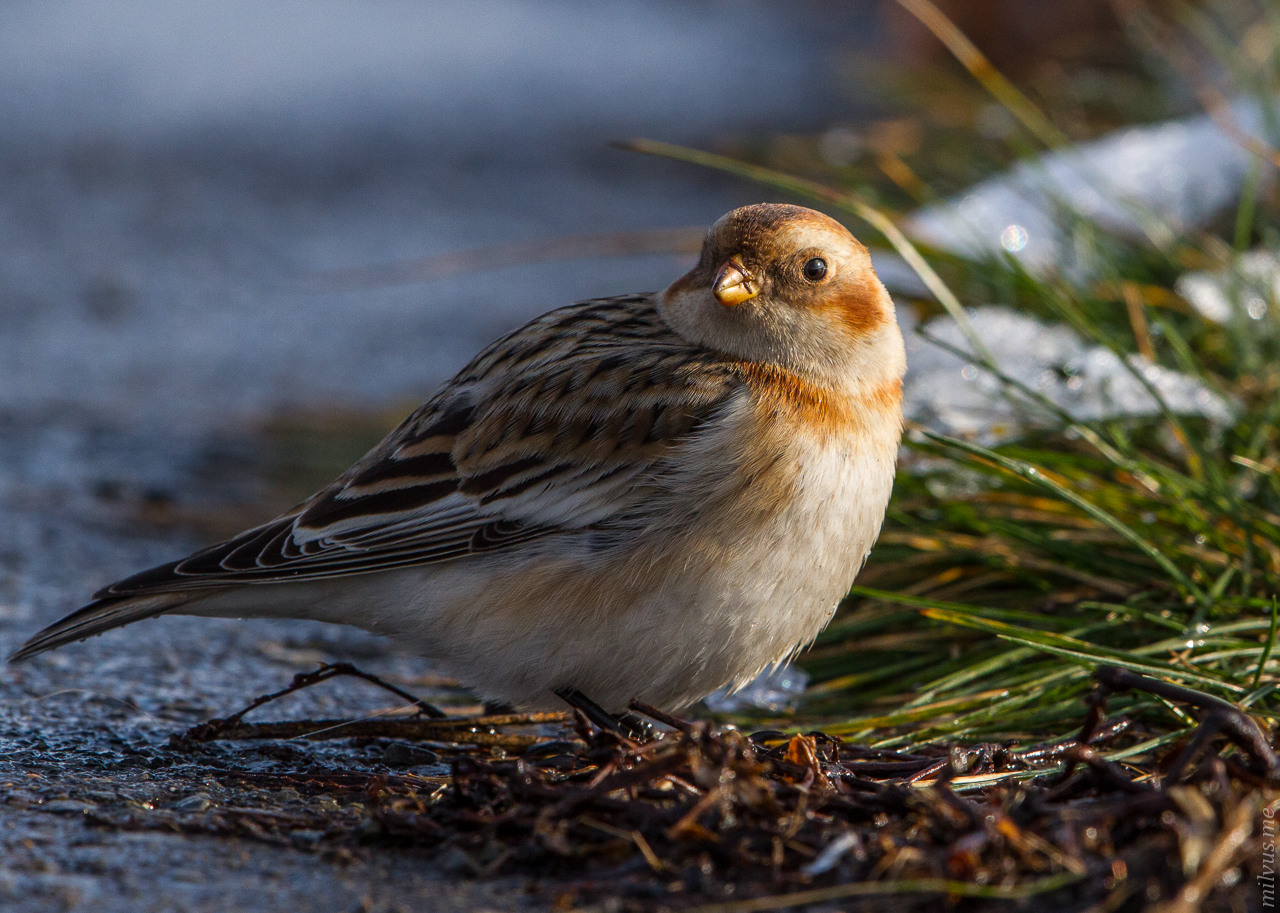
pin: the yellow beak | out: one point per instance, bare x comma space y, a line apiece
734, 284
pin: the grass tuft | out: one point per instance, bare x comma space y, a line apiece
1007, 574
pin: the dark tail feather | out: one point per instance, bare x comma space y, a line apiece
98, 616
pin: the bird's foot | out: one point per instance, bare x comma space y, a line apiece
628, 725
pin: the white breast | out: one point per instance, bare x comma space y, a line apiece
784, 589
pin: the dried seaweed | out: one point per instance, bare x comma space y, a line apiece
699, 815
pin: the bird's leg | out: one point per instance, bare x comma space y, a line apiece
597, 715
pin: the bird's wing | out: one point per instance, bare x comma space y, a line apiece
558, 427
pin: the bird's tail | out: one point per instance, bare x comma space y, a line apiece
98, 616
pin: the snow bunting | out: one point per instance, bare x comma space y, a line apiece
648, 496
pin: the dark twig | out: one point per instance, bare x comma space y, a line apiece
214, 728
662, 716
1221, 717
1051, 751
480, 730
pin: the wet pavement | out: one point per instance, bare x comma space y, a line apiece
97, 812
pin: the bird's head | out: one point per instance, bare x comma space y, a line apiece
792, 288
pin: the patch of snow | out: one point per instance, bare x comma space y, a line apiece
953, 395
1163, 178
776, 690
1247, 289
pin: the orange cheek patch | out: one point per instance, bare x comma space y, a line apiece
856, 305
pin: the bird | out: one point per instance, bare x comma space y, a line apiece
641, 497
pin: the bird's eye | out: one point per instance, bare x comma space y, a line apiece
815, 269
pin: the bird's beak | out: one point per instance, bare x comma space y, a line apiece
734, 284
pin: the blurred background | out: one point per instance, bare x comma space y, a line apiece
181, 181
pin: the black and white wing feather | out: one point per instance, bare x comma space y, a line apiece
558, 428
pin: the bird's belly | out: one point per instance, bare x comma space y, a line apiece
783, 588
668, 619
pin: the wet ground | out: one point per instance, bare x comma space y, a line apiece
93, 801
